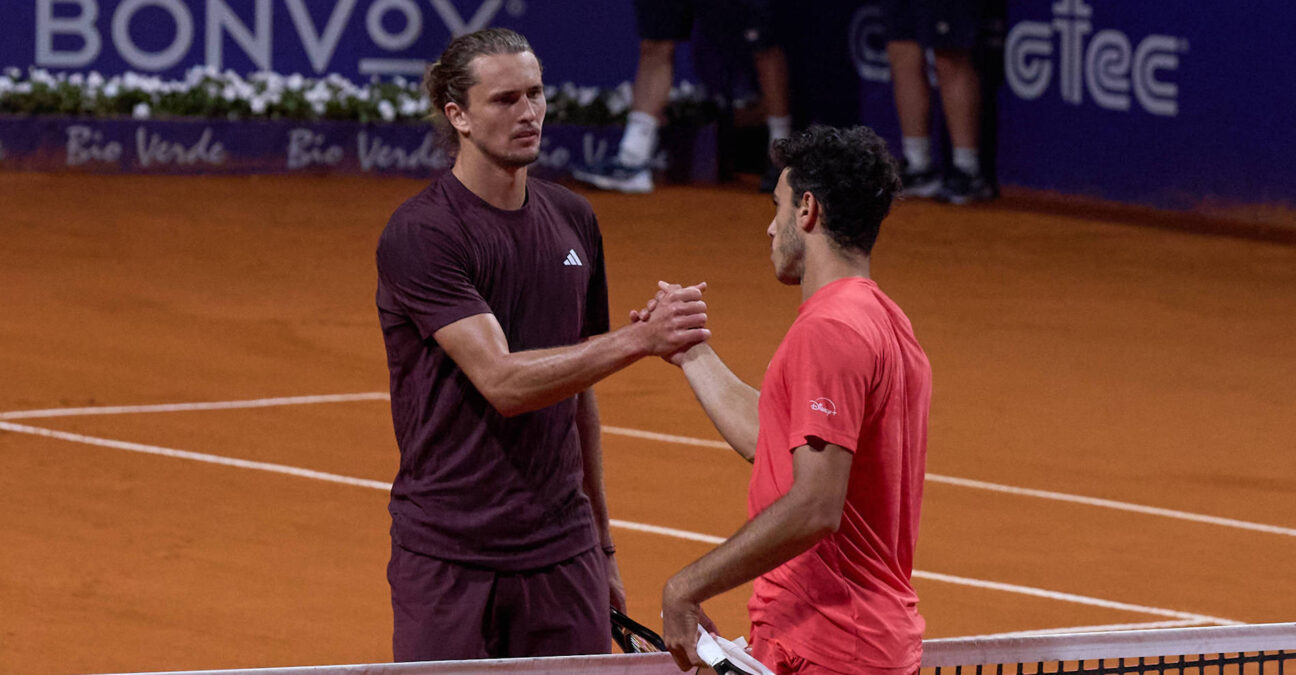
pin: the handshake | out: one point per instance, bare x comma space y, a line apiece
673, 321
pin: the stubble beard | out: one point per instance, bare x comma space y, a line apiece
791, 251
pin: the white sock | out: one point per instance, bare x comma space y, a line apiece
917, 152
967, 160
639, 140
779, 128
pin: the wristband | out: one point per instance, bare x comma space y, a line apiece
609, 549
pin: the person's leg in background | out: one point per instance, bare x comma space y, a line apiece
771, 75
955, 31
661, 24
912, 97
651, 93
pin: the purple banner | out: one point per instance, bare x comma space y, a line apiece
220, 146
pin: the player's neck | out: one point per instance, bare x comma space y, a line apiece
503, 187
825, 264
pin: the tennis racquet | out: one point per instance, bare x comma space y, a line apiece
633, 637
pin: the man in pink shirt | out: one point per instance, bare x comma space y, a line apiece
837, 434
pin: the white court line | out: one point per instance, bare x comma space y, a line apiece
669, 438
1112, 504
1088, 629
665, 438
641, 527
1070, 597
189, 407
195, 456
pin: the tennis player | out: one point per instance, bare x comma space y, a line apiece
493, 303
837, 433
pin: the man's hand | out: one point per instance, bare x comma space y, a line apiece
680, 619
616, 587
673, 320
677, 357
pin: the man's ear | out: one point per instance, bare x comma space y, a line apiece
807, 214
457, 117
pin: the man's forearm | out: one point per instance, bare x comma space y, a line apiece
731, 404
781, 532
534, 379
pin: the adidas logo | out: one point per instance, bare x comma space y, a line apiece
572, 259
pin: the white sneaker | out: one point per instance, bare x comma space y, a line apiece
617, 177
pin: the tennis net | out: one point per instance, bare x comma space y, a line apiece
1261, 649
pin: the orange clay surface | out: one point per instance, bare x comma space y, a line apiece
1072, 354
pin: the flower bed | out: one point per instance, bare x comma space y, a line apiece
213, 122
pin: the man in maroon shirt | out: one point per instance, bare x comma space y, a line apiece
493, 303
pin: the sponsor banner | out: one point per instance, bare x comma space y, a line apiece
590, 43
1174, 105
207, 146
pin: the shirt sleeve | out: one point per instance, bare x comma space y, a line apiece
427, 273
829, 381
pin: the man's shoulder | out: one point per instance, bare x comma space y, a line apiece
428, 210
557, 196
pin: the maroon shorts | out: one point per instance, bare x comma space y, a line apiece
445, 611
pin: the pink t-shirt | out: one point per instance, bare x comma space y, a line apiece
850, 372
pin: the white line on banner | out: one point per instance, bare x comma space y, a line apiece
666, 438
391, 66
641, 527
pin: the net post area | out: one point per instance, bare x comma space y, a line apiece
1261, 649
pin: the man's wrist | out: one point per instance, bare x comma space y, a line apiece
609, 549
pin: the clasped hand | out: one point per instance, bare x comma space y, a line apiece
674, 319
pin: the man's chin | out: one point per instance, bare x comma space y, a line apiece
522, 159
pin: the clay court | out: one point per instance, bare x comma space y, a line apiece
1112, 433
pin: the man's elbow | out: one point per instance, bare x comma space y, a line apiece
823, 518
506, 400
507, 404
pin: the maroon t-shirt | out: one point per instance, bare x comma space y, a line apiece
474, 486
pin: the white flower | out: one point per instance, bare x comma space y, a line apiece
586, 96
410, 107
258, 105
141, 111
13, 73
295, 82
76, 80
318, 93
618, 100
95, 80
386, 110
112, 88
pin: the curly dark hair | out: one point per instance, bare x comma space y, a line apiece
450, 78
851, 174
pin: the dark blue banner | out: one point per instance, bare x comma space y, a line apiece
1175, 105
587, 42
